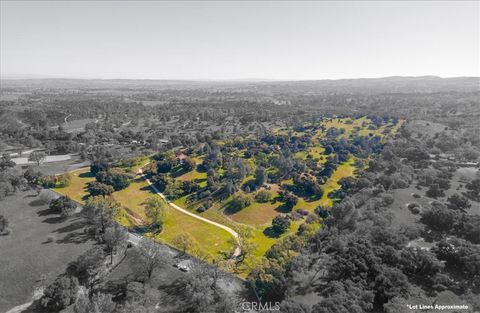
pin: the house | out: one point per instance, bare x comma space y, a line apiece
181, 157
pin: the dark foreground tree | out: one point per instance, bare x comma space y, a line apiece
60, 294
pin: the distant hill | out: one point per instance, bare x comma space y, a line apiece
394, 84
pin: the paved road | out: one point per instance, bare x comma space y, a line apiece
178, 208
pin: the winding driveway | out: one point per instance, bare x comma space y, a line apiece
180, 209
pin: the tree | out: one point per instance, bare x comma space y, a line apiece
260, 176
156, 211
63, 206
239, 202
99, 211
439, 218
98, 303
114, 237
289, 198
322, 211
151, 256
244, 243
99, 166
115, 177
434, 191
6, 162
200, 291
60, 294
280, 224
458, 202
87, 266
31, 175
173, 188
183, 242
47, 196
188, 164
345, 215
37, 157
263, 196
473, 188
100, 189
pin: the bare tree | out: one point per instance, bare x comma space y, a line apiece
114, 237
152, 256
37, 157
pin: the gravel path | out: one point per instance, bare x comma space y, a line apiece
180, 209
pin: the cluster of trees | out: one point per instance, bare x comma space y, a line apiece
52, 181
450, 219
11, 179
86, 270
360, 261
115, 177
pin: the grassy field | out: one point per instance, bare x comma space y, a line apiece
256, 217
28, 259
77, 190
210, 239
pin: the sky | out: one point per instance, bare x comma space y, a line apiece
280, 40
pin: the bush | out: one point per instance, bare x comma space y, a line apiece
46, 196
263, 196
48, 181
63, 180
240, 202
60, 294
63, 206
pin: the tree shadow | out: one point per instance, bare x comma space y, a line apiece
179, 172
75, 237
231, 209
86, 175
71, 227
173, 291
54, 220
283, 208
269, 232
46, 212
36, 202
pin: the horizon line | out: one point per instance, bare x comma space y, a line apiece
249, 79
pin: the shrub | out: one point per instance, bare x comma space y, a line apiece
63, 206
46, 196
239, 202
48, 181
263, 196
63, 180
